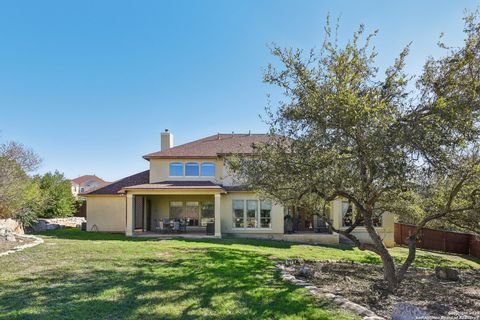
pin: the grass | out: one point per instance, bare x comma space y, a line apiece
79, 275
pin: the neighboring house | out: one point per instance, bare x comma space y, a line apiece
189, 188
86, 184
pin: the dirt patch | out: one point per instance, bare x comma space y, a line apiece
9, 245
164, 254
363, 284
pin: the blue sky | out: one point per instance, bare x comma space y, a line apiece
89, 85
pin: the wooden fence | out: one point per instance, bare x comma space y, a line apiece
82, 210
438, 240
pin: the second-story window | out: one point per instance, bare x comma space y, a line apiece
208, 169
176, 169
192, 169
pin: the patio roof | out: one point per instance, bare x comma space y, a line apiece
175, 185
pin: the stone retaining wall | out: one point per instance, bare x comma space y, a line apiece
58, 223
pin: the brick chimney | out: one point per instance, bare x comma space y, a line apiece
166, 140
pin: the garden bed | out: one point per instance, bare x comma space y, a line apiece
363, 284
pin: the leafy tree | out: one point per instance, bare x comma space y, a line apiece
345, 131
18, 195
57, 198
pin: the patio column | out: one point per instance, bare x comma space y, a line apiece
337, 213
218, 218
129, 217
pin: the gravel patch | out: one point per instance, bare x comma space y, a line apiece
22, 242
363, 284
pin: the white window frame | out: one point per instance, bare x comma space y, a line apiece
201, 169
185, 171
176, 162
258, 215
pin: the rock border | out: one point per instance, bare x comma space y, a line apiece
337, 299
22, 247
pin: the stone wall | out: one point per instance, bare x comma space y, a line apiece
58, 223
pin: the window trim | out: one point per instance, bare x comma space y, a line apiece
201, 169
258, 218
170, 172
185, 171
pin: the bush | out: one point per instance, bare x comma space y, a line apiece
57, 199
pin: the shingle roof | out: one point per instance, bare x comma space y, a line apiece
115, 187
212, 146
176, 185
87, 177
236, 188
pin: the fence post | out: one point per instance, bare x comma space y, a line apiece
401, 234
444, 241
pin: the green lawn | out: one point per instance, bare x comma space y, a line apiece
79, 275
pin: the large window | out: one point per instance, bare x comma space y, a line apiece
176, 210
192, 169
265, 214
350, 214
347, 213
192, 213
176, 169
207, 213
252, 214
208, 169
238, 213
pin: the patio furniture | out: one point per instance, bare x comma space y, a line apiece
176, 226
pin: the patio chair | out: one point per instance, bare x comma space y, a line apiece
176, 226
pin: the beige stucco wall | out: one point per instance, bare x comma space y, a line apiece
159, 170
106, 212
277, 215
386, 231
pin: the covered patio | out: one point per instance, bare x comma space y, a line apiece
174, 208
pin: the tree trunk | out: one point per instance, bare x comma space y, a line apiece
389, 273
389, 270
412, 250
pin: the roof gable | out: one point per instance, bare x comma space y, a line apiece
88, 178
212, 146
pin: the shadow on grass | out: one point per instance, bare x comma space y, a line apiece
266, 243
216, 283
77, 234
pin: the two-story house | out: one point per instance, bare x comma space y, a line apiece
86, 183
188, 189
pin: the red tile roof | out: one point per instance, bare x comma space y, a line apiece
212, 146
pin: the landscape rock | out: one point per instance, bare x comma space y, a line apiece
8, 229
406, 311
448, 274
10, 237
306, 272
